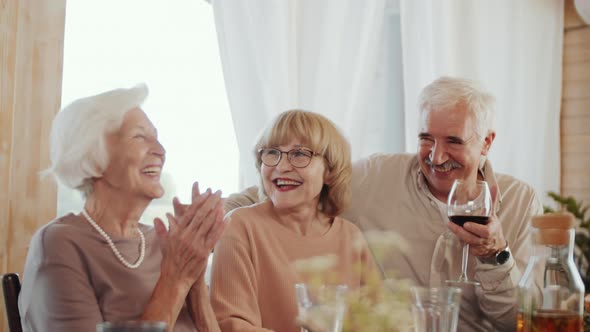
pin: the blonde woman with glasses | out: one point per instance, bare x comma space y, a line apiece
305, 169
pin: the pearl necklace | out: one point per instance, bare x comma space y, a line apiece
112, 245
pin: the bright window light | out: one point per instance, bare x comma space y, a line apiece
172, 47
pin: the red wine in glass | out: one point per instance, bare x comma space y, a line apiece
468, 201
460, 220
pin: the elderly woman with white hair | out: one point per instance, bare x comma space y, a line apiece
102, 264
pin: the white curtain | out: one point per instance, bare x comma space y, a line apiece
515, 49
331, 56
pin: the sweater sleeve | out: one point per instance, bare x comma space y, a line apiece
234, 288
57, 294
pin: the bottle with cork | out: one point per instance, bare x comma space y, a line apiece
551, 292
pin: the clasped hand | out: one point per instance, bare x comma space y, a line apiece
193, 232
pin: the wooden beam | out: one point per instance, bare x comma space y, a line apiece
31, 62
575, 109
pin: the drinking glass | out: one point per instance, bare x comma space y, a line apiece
324, 305
468, 201
435, 309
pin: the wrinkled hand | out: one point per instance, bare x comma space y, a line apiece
180, 208
191, 236
483, 240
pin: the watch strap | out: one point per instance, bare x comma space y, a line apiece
499, 258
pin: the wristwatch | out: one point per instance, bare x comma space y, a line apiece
499, 258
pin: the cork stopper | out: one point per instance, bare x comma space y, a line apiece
555, 220
554, 228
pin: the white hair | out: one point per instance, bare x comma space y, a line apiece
78, 149
446, 92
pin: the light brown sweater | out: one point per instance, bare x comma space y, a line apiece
72, 279
253, 277
390, 194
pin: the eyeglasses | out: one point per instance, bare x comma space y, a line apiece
299, 158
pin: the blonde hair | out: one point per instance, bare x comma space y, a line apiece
324, 138
78, 148
447, 92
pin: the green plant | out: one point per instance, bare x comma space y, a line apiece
582, 250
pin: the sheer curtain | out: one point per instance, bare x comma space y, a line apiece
515, 49
343, 58
187, 101
332, 57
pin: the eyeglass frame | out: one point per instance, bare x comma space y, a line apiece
289, 154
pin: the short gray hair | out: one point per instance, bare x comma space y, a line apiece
447, 92
78, 149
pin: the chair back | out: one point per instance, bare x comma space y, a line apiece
11, 289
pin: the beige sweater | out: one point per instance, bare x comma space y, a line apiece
253, 277
389, 193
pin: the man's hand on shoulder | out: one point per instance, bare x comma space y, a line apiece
246, 197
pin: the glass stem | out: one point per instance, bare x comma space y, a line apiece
463, 276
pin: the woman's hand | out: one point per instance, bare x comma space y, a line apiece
185, 248
192, 235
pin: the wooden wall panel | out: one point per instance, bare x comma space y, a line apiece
8, 15
576, 126
577, 70
580, 194
573, 145
31, 62
575, 112
576, 108
576, 90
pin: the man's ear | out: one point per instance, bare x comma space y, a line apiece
487, 142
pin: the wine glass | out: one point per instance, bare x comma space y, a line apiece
468, 201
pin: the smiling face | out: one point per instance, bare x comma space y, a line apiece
449, 148
289, 187
136, 158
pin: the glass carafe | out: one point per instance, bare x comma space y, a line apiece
551, 292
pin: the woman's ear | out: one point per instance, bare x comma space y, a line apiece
327, 173
487, 142
326, 177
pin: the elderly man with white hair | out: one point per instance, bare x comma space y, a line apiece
102, 264
407, 194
